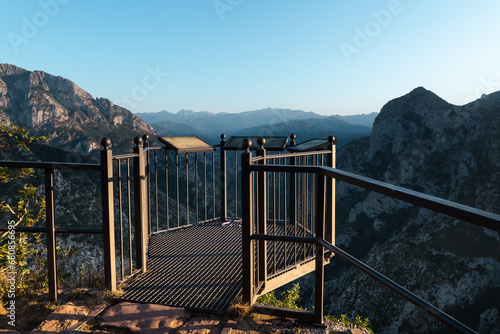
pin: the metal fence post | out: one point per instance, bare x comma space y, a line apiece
145, 145
320, 257
293, 198
139, 204
51, 232
293, 187
330, 195
248, 261
108, 219
223, 178
262, 213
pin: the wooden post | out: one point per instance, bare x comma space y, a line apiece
108, 218
223, 178
51, 233
330, 195
248, 261
320, 257
140, 207
262, 213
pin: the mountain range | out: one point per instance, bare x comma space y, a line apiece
418, 141
264, 122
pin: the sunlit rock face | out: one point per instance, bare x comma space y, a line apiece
424, 143
70, 117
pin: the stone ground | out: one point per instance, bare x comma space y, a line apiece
124, 317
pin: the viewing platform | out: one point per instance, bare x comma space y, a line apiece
188, 224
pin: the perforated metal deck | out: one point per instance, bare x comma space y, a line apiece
197, 267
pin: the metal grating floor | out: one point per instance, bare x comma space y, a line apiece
197, 267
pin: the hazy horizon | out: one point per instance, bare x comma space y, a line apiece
232, 56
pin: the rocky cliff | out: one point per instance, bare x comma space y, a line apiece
421, 142
70, 117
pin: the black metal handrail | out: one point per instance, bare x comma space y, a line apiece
466, 213
406, 294
472, 215
50, 229
50, 165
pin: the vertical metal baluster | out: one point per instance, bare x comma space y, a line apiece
129, 203
166, 188
121, 218
51, 235
177, 183
284, 212
156, 189
187, 190
279, 191
205, 183
311, 206
274, 215
196, 182
304, 203
213, 181
235, 184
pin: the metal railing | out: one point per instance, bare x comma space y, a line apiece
191, 180
50, 225
256, 235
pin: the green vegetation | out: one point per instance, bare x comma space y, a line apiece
359, 321
25, 209
23, 255
288, 298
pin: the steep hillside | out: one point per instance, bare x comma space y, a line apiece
422, 142
71, 118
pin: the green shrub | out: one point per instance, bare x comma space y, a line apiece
288, 298
359, 321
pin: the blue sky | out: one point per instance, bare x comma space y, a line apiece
326, 56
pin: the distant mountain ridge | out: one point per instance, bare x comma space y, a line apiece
71, 118
265, 122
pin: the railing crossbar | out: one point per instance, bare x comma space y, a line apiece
460, 211
57, 230
411, 297
50, 165
271, 237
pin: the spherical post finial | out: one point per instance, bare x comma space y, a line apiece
292, 137
332, 140
138, 141
261, 141
106, 143
145, 137
246, 144
222, 136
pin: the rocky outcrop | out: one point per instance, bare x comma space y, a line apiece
70, 117
421, 142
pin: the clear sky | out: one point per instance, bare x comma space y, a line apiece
326, 56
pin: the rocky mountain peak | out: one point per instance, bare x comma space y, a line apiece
8, 69
409, 119
54, 106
